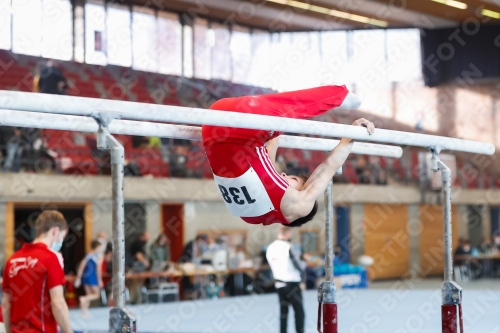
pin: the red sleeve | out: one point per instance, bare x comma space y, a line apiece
6, 279
55, 276
299, 104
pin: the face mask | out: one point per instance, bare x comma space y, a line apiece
56, 246
466, 249
497, 240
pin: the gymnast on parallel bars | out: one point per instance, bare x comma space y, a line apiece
244, 167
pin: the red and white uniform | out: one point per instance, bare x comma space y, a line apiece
243, 171
28, 276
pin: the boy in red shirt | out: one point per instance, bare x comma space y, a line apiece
33, 281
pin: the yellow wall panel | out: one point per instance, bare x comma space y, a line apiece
386, 240
431, 238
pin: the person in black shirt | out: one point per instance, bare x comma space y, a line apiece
139, 258
194, 249
52, 80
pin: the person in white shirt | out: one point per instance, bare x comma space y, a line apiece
287, 268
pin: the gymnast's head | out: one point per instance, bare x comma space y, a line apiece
298, 183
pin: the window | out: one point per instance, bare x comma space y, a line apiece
203, 41
418, 106
376, 99
313, 60
367, 62
260, 63
27, 27
57, 22
368, 66
119, 41
221, 53
301, 60
473, 115
94, 34
278, 74
79, 34
286, 61
187, 61
145, 40
5, 24
169, 43
295, 60
333, 69
403, 55
241, 52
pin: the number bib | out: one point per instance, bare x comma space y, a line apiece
245, 196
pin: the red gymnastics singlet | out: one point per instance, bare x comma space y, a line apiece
249, 184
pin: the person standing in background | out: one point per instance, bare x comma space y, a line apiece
159, 253
287, 268
139, 258
90, 276
13, 148
51, 79
37, 306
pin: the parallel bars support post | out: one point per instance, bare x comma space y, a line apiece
121, 319
327, 292
451, 292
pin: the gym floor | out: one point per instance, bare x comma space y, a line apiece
386, 307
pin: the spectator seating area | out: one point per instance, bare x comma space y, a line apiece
75, 155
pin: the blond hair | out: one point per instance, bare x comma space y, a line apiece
50, 219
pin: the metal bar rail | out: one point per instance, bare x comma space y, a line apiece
128, 127
82, 106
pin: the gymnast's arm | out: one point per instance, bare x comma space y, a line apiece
272, 147
319, 179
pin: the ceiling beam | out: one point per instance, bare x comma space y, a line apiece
324, 22
333, 6
266, 17
381, 11
431, 7
204, 12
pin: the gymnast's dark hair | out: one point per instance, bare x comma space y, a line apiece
301, 221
